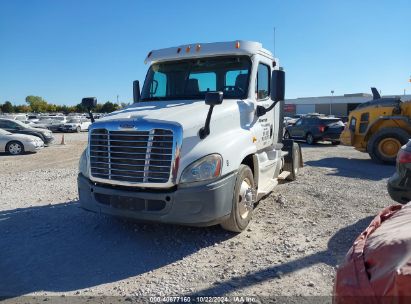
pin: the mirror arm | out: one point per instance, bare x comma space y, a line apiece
262, 111
205, 131
91, 115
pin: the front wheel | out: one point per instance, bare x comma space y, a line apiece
243, 201
15, 148
384, 145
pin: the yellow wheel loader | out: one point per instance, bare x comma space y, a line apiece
379, 127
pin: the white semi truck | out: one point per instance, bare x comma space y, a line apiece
201, 144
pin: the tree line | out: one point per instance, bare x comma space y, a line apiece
36, 104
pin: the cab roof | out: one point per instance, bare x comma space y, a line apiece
196, 50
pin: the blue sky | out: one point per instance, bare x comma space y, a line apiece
65, 50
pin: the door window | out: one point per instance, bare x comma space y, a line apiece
299, 122
353, 122
263, 82
365, 117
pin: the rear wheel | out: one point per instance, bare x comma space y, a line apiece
310, 139
243, 201
287, 135
78, 129
384, 145
292, 162
15, 148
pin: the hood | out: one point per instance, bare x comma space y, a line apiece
23, 137
189, 114
40, 129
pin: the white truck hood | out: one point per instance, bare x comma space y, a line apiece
187, 113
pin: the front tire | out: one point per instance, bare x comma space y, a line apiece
384, 145
243, 201
15, 148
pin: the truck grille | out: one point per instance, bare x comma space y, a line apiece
131, 156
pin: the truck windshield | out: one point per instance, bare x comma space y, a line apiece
192, 79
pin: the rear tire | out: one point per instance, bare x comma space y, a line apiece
384, 145
287, 135
292, 162
78, 129
243, 201
309, 138
15, 148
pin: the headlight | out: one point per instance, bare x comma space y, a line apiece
205, 168
83, 164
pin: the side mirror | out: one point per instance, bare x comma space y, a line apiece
278, 85
136, 91
89, 102
211, 99
214, 98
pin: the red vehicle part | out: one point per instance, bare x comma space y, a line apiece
377, 268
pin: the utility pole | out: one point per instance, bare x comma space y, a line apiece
117, 98
332, 97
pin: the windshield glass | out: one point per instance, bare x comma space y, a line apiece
191, 79
74, 121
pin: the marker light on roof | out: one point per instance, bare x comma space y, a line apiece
198, 47
237, 45
188, 49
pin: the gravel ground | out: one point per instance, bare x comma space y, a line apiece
299, 234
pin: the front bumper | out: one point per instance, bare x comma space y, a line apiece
33, 147
199, 205
399, 188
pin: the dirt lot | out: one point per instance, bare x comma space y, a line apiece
49, 246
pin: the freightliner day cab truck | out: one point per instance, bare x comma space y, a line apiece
201, 144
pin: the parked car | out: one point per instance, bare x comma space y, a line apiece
52, 123
75, 125
17, 127
399, 185
16, 144
313, 128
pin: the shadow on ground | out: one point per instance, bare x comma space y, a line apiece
338, 246
62, 248
354, 168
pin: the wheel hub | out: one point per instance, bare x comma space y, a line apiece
246, 198
14, 149
389, 147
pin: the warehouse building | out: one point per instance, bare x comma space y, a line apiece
339, 106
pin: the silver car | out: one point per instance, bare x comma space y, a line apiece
16, 144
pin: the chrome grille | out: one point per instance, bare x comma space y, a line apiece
135, 157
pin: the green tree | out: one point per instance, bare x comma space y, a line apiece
22, 109
7, 107
37, 103
109, 107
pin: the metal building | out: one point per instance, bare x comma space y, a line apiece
339, 106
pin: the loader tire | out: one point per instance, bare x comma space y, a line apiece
384, 145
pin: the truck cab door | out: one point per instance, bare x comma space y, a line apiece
265, 125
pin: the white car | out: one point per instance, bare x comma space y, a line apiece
76, 125
16, 144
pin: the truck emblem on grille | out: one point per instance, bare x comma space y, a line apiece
127, 126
